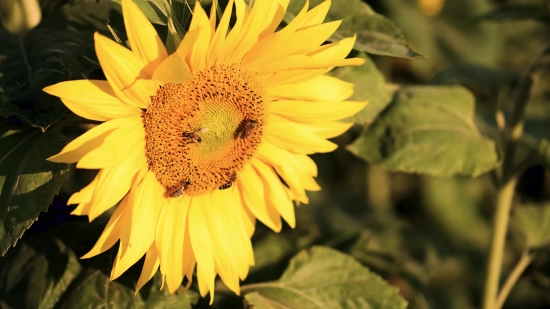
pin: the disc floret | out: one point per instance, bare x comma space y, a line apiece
200, 133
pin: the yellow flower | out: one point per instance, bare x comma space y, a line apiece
194, 144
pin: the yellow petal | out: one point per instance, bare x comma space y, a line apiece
92, 99
322, 88
316, 15
312, 112
188, 257
241, 253
219, 35
128, 74
301, 62
223, 239
84, 195
275, 193
288, 166
291, 76
279, 45
199, 50
116, 147
143, 38
253, 195
111, 233
170, 240
150, 267
295, 137
175, 68
88, 141
276, 20
138, 231
232, 38
338, 49
201, 243
329, 129
249, 220
213, 16
260, 16
114, 182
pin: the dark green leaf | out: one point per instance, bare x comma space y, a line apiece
511, 12
36, 275
93, 289
534, 222
375, 33
41, 272
325, 278
369, 85
59, 49
483, 81
157, 11
428, 130
27, 181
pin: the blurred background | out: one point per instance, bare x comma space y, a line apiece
427, 235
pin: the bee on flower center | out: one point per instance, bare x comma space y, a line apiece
245, 128
230, 182
193, 137
178, 192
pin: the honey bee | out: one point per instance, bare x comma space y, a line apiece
178, 192
193, 137
230, 182
245, 128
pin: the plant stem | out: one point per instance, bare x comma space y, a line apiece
508, 182
504, 203
522, 264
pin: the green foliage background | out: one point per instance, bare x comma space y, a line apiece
405, 215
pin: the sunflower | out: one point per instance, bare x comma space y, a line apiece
197, 145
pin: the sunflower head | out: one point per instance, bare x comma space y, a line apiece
196, 145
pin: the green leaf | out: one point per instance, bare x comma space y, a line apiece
484, 82
514, 12
27, 181
534, 222
375, 33
324, 278
36, 275
60, 48
369, 85
157, 11
428, 130
42, 273
93, 289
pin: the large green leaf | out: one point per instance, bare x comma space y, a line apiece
35, 276
375, 33
428, 130
42, 273
60, 48
27, 181
370, 85
324, 278
534, 222
93, 289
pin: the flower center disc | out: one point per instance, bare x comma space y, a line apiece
200, 133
